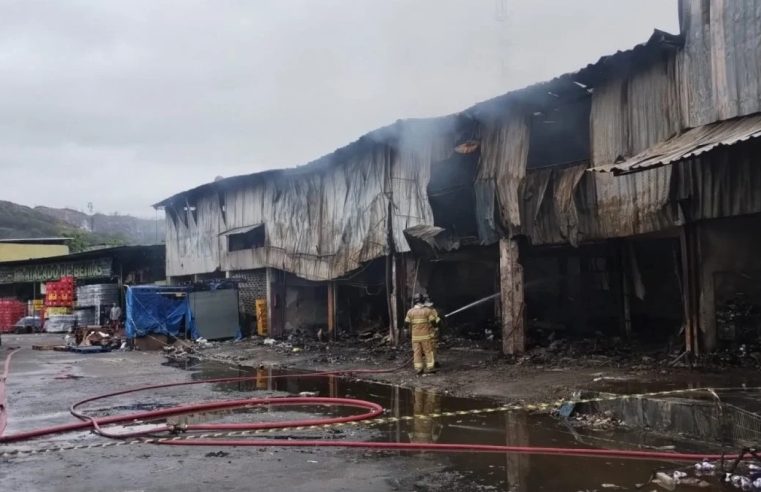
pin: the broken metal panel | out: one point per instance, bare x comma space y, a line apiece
691, 143
320, 224
420, 143
653, 106
724, 183
630, 205
560, 133
504, 152
634, 112
629, 113
549, 210
719, 66
324, 219
570, 205
452, 196
428, 241
575, 84
486, 220
192, 245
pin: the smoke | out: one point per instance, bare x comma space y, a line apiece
125, 103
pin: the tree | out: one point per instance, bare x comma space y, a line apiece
78, 240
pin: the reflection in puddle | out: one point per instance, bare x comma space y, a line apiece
503, 472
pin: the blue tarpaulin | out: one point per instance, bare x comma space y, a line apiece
162, 310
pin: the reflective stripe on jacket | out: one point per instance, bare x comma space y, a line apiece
421, 319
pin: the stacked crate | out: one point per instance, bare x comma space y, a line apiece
36, 306
93, 301
59, 297
11, 310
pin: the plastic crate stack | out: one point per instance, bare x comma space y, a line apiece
35, 307
93, 300
59, 296
11, 310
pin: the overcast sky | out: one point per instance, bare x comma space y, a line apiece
124, 103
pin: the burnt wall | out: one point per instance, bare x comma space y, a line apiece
730, 251
252, 285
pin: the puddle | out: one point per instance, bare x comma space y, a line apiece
490, 471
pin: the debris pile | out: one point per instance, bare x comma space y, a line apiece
604, 421
737, 474
181, 350
738, 320
597, 351
94, 339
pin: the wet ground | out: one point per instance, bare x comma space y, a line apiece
470, 371
43, 384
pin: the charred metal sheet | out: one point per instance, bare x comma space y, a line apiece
428, 241
720, 65
690, 144
724, 183
322, 220
634, 112
574, 84
240, 230
320, 224
550, 210
504, 152
624, 206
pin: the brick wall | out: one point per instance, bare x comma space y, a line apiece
252, 286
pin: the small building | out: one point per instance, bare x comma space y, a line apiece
24, 279
28, 249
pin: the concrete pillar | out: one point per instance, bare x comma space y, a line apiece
625, 313
393, 299
691, 288
270, 301
513, 302
332, 310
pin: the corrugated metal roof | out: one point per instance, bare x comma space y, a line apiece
582, 82
568, 86
114, 251
689, 144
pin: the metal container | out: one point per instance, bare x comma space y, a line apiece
60, 323
85, 317
97, 295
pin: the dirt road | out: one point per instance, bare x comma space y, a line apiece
43, 384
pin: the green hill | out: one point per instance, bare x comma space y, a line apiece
19, 221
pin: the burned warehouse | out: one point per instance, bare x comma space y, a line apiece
623, 199
557, 288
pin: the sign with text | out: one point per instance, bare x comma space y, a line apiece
97, 268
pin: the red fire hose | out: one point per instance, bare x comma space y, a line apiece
372, 410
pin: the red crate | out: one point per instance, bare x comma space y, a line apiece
11, 310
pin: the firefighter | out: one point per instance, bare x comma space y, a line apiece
427, 302
422, 321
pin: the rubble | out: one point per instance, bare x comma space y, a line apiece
604, 421
740, 475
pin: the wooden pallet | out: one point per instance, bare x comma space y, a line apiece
60, 348
96, 349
